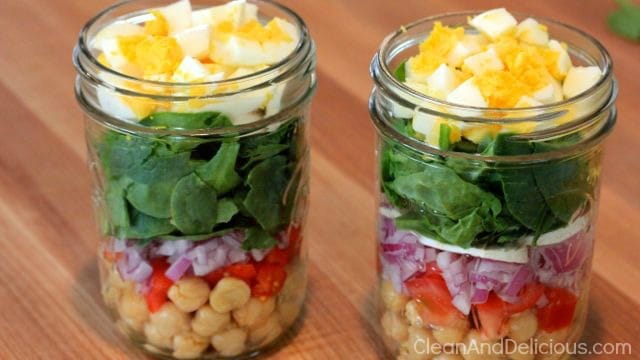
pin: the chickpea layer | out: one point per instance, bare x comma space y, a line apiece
197, 320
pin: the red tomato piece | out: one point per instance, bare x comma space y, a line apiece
214, 276
245, 272
558, 313
492, 317
277, 257
528, 297
431, 291
159, 285
269, 280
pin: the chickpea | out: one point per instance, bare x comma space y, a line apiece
394, 326
189, 345
230, 342
156, 337
229, 294
113, 287
133, 310
451, 334
412, 313
169, 320
523, 326
477, 347
254, 312
521, 351
393, 300
207, 322
188, 294
418, 345
265, 333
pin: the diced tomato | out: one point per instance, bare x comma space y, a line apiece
277, 257
214, 276
528, 297
269, 280
491, 317
159, 285
558, 313
246, 272
431, 290
295, 240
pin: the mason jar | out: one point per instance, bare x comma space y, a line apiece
202, 204
492, 244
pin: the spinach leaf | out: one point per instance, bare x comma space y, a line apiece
258, 239
626, 20
401, 72
121, 153
194, 206
441, 190
161, 167
262, 152
187, 121
199, 237
267, 182
226, 210
117, 209
152, 199
144, 226
220, 171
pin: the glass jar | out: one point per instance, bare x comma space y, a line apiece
202, 204
486, 251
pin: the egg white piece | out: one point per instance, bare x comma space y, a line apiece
115, 58
178, 16
526, 101
519, 254
494, 23
442, 81
195, 41
424, 123
484, 62
190, 70
467, 94
579, 79
551, 93
530, 31
111, 31
275, 100
111, 102
237, 12
562, 234
470, 45
563, 64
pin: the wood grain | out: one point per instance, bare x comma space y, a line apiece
50, 307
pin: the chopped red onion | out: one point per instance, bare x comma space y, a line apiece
178, 268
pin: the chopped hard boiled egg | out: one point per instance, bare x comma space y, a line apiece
532, 32
442, 82
563, 61
579, 79
468, 94
195, 41
176, 44
494, 23
507, 65
177, 15
483, 62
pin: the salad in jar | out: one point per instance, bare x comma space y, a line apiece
485, 217
197, 136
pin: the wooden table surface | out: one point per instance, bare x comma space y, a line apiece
50, 306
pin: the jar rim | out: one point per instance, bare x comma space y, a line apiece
83, 48
296, 61
384, 79
380, 70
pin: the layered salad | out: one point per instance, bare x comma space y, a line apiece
476, 252
202, 255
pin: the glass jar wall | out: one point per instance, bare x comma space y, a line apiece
485, 248
202, 202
